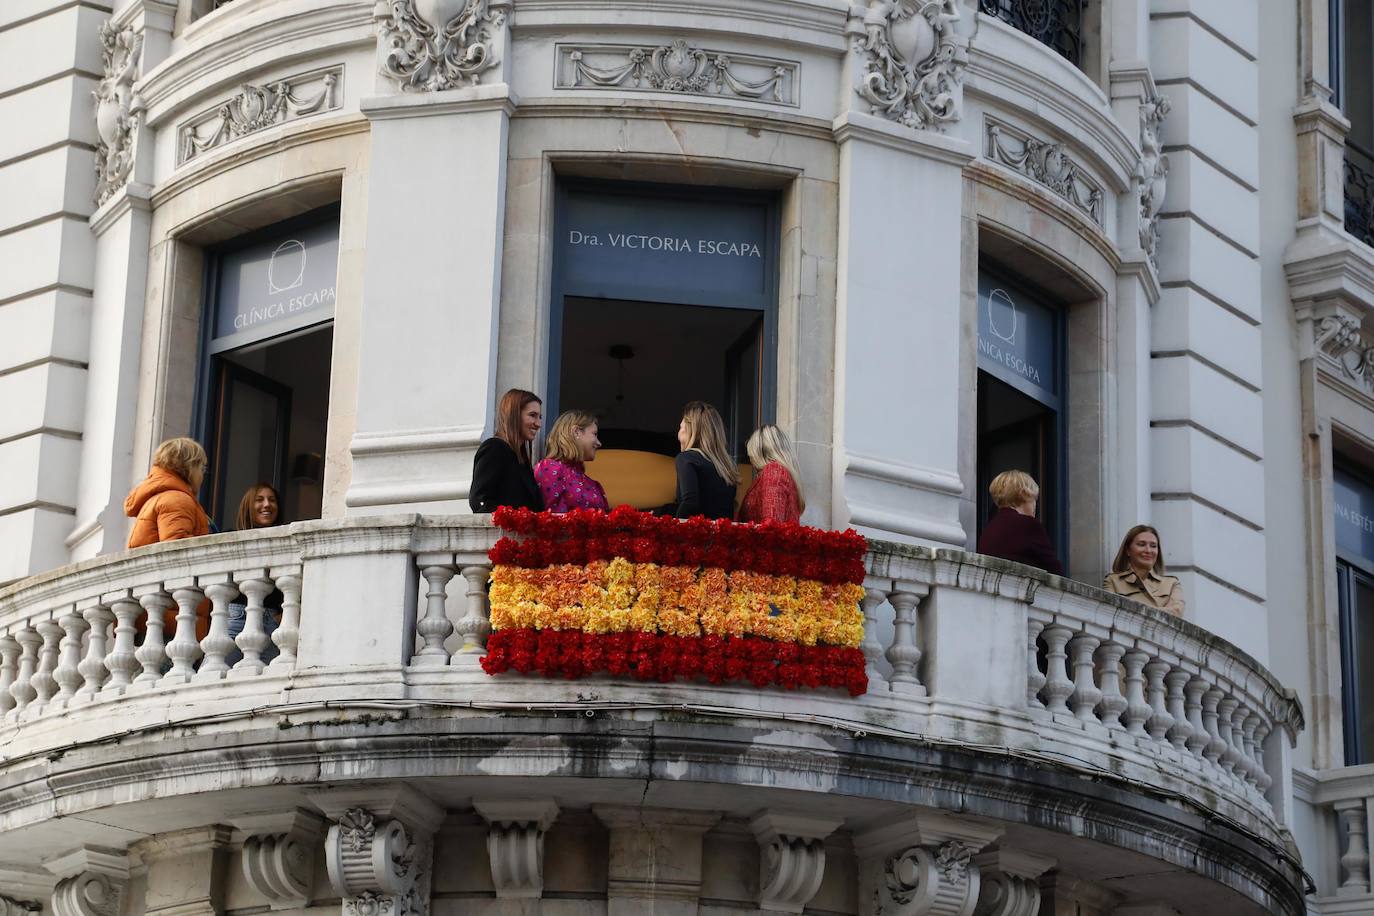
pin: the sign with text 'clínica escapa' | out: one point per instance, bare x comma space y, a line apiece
1018, 339
1354, 504
669, 249
280, 284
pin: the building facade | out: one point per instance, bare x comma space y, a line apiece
1123, 245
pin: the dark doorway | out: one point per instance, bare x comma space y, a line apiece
1016, 432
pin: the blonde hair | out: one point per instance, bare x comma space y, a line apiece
184, 458
1012, 488
706, 434
767, 444
1122, 563
561, 446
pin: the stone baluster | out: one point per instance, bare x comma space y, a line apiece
1035, 678
183, 650
1085, 695
152, 655
1137, 710
904, 654
1229, 757
68, 674
1113, 700
875, 593
288, 634
1160, 721
22, 690
1058, 688
1355, 859
121, 661
1182, 729
1193, 692
93, 671
1248, 731
1262, 777
1244, 766
434, 627
475, 624
43, 681
9, 667
217, 643
252, 639
1215, 746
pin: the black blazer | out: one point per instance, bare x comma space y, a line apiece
500, 479
1013, 536
700, 490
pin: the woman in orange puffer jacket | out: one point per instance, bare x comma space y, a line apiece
164, 506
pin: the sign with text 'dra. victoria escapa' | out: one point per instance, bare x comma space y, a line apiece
280, 284
666, 249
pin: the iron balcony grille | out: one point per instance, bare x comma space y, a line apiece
1057, 24
1359, 194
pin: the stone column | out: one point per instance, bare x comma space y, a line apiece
898, 323
921, 865
92, 881
380, 848
427, 365
655, 859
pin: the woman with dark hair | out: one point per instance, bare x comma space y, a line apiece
1138, 572
706, 473
260, 507
503, 469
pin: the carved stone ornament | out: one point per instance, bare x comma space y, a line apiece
432, 45
515, 843
1001, 894
87, 894
1046, 164
257, 107
12, 907
1344, 352
116, 108
280, 863
792, 868
926, 881
376, 868
1154, 172
912, 62
677, 67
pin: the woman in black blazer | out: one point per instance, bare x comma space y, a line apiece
706, 473
503, 471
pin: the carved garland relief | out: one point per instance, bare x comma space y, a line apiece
1154, 172
433, 45
1345, 351
677, 67
259, 107
1046, 164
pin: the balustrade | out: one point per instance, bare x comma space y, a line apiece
1057, 24
1359, 193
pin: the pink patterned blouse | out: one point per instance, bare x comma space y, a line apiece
566, 486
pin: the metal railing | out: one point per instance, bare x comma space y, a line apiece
1057, 24
1359, 193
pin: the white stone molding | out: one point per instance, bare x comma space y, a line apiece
1046, 164
912, 61
1154, 172
255, 108
1343, 351
677, 67
279, 855
515, 843
1009, 883
93, 881
433, 45
923, 865
9, 906
379, 849
792, 858
116, 108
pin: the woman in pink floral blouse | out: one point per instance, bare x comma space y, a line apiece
562, 480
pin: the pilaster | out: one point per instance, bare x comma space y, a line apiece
667, 883
186, 871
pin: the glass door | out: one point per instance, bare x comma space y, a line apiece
252, 423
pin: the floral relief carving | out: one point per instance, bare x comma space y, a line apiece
116, 108
928, 881
432, 45
677, 67
1046, 164
913, 62
1154, 172
258, 107
1344, 349
379, 869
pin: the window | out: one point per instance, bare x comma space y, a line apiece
1353, 499
264, 374
1058, 24
1352, 78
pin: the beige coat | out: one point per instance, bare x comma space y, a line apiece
1164, 592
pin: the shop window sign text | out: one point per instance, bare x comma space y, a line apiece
676, 245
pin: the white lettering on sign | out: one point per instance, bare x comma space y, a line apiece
1364, 522
283, 307
1011, 360
674, 244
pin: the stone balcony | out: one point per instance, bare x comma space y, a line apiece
995, 690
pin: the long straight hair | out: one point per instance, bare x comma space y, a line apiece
1122, 563
245, 521
770, 444
706, 434
508, 425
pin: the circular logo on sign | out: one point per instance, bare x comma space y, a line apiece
1000, 304
286, 270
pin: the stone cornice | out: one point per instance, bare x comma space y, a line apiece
928, 144
1322, 263
132, 196
493, 97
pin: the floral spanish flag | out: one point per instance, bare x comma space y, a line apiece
629, 594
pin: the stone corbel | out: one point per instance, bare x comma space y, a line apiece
378, 851
792, 859
922, 865
1009, 883
515, 843
279, 855
92, 882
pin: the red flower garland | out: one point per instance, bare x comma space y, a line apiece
583, 536
657, 657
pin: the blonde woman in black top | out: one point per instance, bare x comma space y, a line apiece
706, 473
